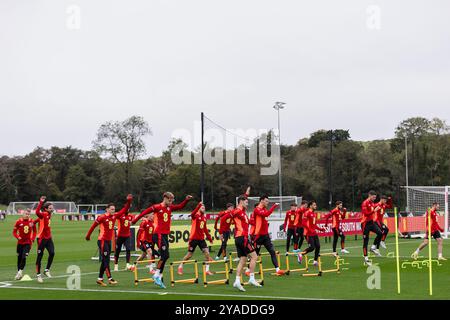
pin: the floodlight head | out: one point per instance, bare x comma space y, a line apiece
279, 105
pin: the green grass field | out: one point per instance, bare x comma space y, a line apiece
72, 249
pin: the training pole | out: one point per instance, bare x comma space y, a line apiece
397, 253
430, 265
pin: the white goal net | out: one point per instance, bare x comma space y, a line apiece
420, 198
60, 207
284, 201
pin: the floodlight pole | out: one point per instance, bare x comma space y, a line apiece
407, 173
278, 106
202, 171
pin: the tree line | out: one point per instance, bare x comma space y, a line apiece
326, 163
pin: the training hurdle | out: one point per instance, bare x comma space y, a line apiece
288, 264
259, 262
267, 254
136, 277
189, 281
337, 268
220, 281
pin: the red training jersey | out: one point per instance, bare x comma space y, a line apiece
163, 215
261, 223
434, 223
226, 220
310, 225
289, 220
45, 231
124, 224
337, 216
241, 222
367, 211
379, 215
199, 227
299, 218
24, 231
145, 232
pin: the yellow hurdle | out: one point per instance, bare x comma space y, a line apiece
260, 273
321, 271
266, 254
189, 281
136, 276
220, 281
288, 265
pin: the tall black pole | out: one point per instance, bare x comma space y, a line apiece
202, 174
330, 181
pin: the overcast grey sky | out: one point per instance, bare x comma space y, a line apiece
169, 60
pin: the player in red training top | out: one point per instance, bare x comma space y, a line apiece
368, 210
311, 233
44, 237
262, 238
25, 233
123, 239
436, 230
162, 221
289, 224
225, 220
300, 230
385, 203
145, 241
337, 215
199, 230
106, 222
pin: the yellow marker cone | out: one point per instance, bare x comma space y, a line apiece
26, 278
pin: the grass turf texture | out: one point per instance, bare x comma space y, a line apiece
72, 249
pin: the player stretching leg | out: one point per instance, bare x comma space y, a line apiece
199, 230
145, 240
123, 239
25, 233
313, 238
368, 210
106, 222
436, 230
385, 203
244, 247
337, 215
289, 223
262, 237
299, 224
44, 238
225, 230
162, 221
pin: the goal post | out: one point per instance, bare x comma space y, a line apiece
284, 201
420, 199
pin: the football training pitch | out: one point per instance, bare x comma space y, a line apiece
352, 283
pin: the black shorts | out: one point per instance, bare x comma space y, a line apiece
243, 246
226, 236
436, 235
123, 241
23, 249
45, 244
104, 248
162, 242
194, 243
145, 245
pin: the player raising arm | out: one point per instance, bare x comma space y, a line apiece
25, 233
337, 215
199, 230
123, 238
162, 222
225, 220
436, 230
311, 233
44, 237
262, 237
300, 230
106, 222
